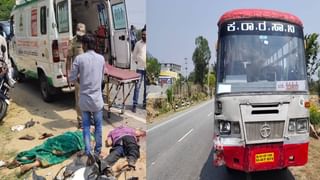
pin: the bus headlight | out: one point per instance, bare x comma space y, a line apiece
225, 127
302, 125
292, 125
298, 125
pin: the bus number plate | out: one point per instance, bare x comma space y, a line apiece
265, 157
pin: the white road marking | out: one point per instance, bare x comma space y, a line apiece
179, 116
209, 114
153, 163
185, 135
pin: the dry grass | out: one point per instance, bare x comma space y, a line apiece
311, 170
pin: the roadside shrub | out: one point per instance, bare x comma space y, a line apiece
314, 114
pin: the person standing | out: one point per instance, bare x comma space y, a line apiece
75, 49
139, 56
90, 67
133, 37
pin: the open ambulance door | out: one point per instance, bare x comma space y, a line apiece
120, 43
60, 42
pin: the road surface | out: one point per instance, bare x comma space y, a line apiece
181, 149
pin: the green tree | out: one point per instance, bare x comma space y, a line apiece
178, 84
170, 98
153, 69
312, 48
200, 58
191, 76
212, 81
5, 9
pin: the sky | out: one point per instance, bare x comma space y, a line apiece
136, 11
173, 25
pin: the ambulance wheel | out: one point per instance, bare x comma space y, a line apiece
45, 89
20, 77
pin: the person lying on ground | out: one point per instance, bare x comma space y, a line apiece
124, 143
53, 151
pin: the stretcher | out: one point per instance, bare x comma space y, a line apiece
117, 78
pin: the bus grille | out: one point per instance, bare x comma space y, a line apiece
254, 131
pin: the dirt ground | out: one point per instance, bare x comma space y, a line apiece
56, 118
311, 170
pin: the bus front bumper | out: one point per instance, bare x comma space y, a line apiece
260, 157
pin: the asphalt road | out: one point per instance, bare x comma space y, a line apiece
181, 149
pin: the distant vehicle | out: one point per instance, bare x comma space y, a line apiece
42, 30
261, 119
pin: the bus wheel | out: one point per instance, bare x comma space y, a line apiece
45, 88
248, 176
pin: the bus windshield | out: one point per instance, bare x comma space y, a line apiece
259, 58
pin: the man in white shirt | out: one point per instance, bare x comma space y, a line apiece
139, 57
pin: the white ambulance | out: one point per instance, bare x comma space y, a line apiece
42, 30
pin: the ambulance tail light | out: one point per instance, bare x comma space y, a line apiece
55, 51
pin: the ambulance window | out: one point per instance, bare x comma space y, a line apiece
34, 22
102, 14
63, 17
119, 16
43, 20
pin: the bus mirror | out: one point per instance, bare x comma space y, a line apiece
216, 48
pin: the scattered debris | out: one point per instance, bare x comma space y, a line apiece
26, 137
19, 127
30, 123
2, 163
45, 135
48, 174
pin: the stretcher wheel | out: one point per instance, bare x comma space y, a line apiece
122, 109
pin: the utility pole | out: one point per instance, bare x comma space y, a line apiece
186, 68
208, 78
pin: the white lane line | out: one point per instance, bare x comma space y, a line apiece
179, 116
209, 114
185, 135
153, 163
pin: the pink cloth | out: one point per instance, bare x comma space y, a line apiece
118, 73
120, 132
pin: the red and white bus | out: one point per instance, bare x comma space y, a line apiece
261, 106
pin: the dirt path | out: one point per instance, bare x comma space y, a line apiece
55, 118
